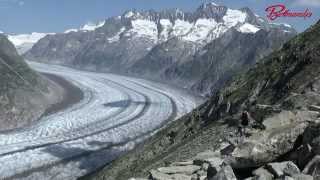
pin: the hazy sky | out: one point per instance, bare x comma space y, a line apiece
25, 16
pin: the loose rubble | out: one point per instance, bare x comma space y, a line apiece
251, 160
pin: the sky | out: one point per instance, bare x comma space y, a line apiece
26, 16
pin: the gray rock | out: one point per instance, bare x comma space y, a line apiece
312, 137
189, 169
156, 175
302, 177
181, 177
288, 178
313, 167
201, 173
278, 139
249, 178
314, 108
204, 156
304, 155
283, 168
209, 158
226, 173
262, 174
184, 163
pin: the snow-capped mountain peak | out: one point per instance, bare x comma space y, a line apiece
20, 39
92, 26
207, 23
129, 14
87, 27
167, 43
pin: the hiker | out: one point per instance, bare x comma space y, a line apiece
244, 123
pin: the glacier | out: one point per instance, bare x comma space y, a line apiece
116, 113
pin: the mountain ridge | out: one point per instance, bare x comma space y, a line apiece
124, 42
281, 96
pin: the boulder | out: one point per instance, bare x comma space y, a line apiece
302, 177
201, 172
226, 173
181, 177
188, 170
303, 155
209, 160
262, 174
283, 168
287, 178
249, 178
314, 108
266, 146
313, 167
205, 157
311, 136
184, 163
156, 175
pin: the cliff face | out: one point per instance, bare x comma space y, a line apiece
24, 95
281, 95
181, 48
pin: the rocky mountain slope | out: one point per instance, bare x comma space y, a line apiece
24, 95
280, 97
171, 45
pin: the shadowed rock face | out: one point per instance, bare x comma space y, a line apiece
282, 96
181, 48
24, 95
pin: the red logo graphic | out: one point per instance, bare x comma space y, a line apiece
280, 10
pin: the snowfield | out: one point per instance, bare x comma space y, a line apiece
116, 113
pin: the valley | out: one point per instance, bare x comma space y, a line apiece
115, 114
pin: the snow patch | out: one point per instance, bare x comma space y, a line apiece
92, 26
116, 37
71, 30
166, 26
214, 4
248, 28
181, 27
87, 27
143, 28
201, 30
129, 14
233, 17
21, 39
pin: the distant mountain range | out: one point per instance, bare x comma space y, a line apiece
197, 50
24, 42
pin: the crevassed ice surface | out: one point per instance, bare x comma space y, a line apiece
116, 113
